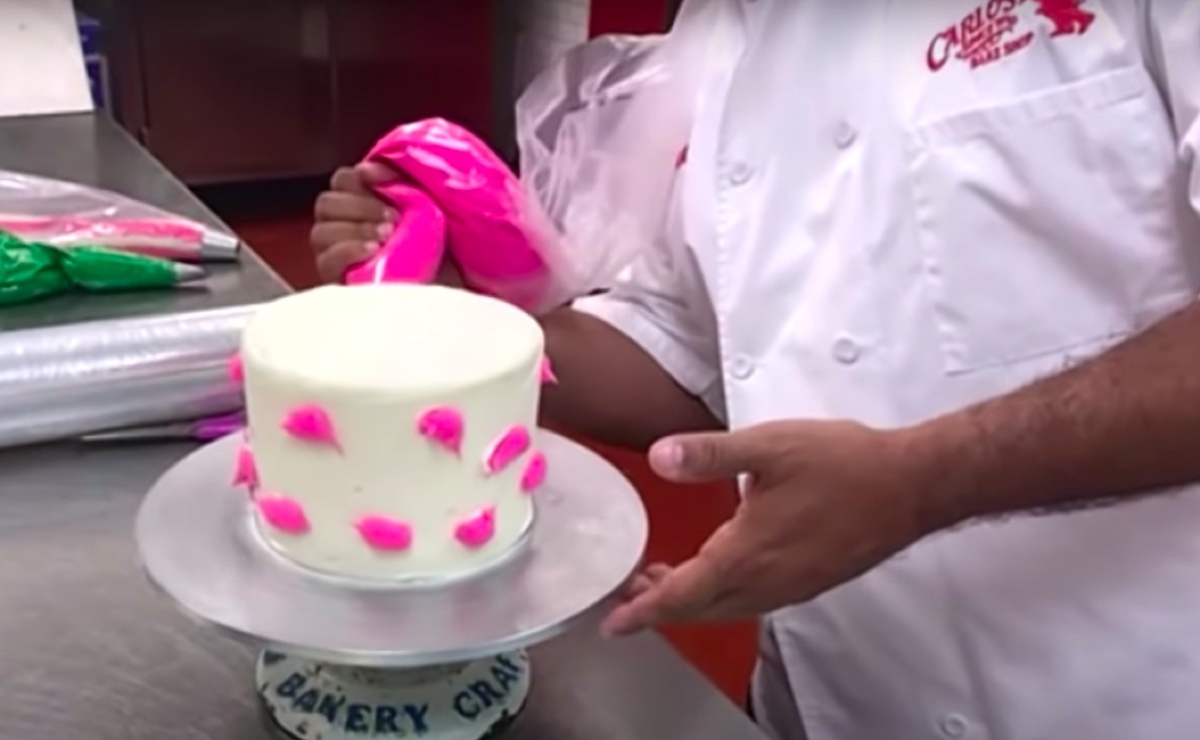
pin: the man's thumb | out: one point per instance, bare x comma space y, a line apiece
371, 173
696, 458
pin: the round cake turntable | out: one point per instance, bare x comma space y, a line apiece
345, 660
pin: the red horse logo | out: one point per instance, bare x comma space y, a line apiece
1068, 16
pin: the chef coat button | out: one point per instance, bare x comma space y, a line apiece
953, 726
741, 367
844, 135
741, 173
846, 351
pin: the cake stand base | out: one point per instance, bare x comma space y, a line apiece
196, 539
477, 700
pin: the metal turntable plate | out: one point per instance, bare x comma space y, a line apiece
197, 544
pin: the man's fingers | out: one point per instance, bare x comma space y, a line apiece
639, 585
371, 174
351, 221
706, 587
645, 580
333, 262
696, 458
656, 572
325, 234
347, 180
333, 205
682, 593
361, 178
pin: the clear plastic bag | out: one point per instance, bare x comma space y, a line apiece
67, 214
600, 136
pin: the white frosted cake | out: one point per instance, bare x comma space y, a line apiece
390, 428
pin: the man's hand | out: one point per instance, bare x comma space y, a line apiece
824, 502
827, 501
351, 222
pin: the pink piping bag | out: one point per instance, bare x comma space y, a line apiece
494, 238
154, 237
413, 252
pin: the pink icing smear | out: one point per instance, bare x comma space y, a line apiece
383, 533
511, 445
443, 426
236, 370
311, 423
493, 232
245, 471
413, 252
478, 529
283, 513
546, 372
534, 474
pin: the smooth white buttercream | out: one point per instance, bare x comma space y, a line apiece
375, 359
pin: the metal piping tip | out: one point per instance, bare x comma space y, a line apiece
185, 273
219, 247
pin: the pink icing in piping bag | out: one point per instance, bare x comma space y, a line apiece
382, 533
478, 529
311, 423
511, 445
444, 426
495, 236
245, 472
546, 372
236, 370
156, 237
282, 513
534, 474
413, 252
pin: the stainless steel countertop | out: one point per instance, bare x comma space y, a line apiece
91, 652
92, 150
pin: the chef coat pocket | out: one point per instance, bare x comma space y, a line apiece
1046, 222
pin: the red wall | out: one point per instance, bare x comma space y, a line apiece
628, 16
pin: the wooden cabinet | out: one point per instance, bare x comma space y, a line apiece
402, 60
225, 90
238, 90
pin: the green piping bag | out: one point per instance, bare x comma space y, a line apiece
30, 270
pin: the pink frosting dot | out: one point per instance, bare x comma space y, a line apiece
245, 471
534, 474
443, 426
384, 533
546, 372
236, 370
511, 445
311, 423
283, 513
478, 529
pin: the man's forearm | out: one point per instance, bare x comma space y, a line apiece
1121, 425
610, 389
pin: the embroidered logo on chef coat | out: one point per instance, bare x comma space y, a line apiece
1000, 28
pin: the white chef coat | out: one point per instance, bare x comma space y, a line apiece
894, 209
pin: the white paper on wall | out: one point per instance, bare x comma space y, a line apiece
41, 60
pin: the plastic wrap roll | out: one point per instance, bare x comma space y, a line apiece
65, 381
